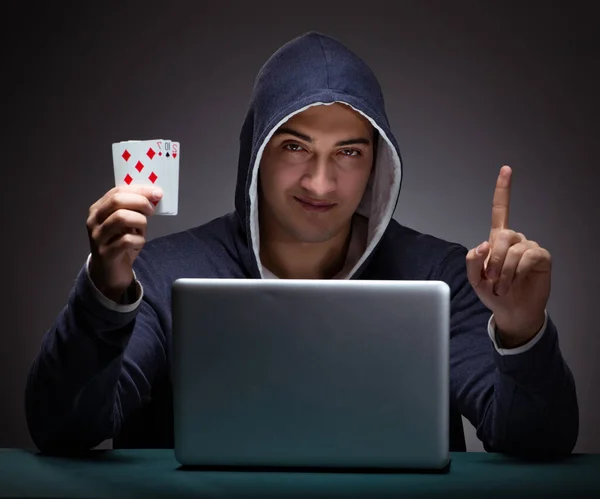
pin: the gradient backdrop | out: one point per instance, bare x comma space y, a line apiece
469, 86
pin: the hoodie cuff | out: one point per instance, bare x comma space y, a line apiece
514, 351
110, 304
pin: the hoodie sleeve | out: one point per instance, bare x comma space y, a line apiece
524, 404
95, 366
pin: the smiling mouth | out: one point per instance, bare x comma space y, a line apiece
318, 206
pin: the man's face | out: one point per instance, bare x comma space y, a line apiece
314, 171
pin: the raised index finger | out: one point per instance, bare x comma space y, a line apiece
500, 204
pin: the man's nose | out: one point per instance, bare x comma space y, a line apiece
320, 177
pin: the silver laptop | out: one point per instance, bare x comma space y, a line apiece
311, 373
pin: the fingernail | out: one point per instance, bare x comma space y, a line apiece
479, 249
156, 194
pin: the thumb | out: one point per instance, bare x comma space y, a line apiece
152, 192
475, 263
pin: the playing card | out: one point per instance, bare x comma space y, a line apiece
171, 164
150, 162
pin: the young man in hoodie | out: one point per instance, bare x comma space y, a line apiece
319, 177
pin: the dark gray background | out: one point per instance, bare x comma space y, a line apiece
469, 86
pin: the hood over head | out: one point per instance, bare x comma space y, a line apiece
315, 69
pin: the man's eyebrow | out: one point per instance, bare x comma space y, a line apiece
306, 138
285, 130
357, 140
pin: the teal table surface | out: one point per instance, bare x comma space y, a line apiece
156, 473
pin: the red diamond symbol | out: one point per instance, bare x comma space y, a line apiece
139, 167
126, 155
128, 178
150, 153
152, 177
160, 153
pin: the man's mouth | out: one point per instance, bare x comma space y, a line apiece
313, 205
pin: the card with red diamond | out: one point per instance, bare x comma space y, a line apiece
150, 162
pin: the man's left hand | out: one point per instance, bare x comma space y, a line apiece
510, 274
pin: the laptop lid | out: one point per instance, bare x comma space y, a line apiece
317, 373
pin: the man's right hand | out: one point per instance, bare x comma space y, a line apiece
116, 226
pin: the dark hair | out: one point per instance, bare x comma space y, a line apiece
375, 142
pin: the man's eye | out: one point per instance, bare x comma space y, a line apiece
350, 152
293, 147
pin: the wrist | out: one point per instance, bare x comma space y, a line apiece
118, 294
512, 334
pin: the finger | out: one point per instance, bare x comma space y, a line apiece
520, 238
141, 189
119, 223
133, 201
475, 263
123, 243
535, 259
501, 202
509, 268
502, 242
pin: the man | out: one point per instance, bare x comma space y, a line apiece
319, 177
